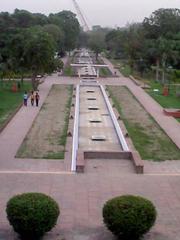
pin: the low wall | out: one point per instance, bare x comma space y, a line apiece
136, 82
106, 155
138, 162
75, 132
173, 113
133, 156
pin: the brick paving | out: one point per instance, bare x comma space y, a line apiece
81, 197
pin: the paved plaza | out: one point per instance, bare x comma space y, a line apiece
81, 196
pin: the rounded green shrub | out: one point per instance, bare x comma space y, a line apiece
32, 214
129, 217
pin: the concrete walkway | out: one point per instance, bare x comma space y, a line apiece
65, 59
81, 198
13, 135
111, 67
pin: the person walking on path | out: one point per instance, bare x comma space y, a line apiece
32, 98
25, 98
37, 97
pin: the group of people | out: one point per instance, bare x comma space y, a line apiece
34, 98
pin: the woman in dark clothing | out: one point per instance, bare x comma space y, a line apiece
37, 99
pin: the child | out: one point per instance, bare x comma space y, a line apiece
37, 99
25, 98
32, 98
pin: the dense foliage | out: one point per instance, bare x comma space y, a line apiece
28, 41
129, 217
32, 214
154, 42
96, 39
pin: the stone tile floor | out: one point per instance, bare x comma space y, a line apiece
81, 198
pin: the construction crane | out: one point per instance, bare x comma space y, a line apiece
82, 18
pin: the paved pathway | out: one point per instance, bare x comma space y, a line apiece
113, 70
14, 134
65, 59
81, 197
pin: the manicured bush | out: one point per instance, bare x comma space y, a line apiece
32, 214
129, 217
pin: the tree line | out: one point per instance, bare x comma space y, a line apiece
154, 42
29, 41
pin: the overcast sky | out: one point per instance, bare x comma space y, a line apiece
98, 12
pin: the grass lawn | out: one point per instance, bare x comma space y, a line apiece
171, 101
68, 71
10, 101
105, 72
148, 138
121, 66
47, 137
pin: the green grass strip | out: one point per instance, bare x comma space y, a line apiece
10, 101
150, 141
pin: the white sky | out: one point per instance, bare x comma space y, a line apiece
98, 12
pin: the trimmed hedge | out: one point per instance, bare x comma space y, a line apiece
32, 214
129, 217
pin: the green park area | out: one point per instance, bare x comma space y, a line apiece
148, 138
149, 51
154, 88
71, 148
9, 100
122, 66
68, 71
31, 45
170, 101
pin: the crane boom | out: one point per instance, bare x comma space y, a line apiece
82, 18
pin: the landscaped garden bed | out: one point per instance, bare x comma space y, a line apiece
47, 136
148, 138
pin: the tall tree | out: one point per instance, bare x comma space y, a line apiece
39, 52
70, 25
23, 18
96, 40
162, 23
96, 43
57, 34
161, 29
